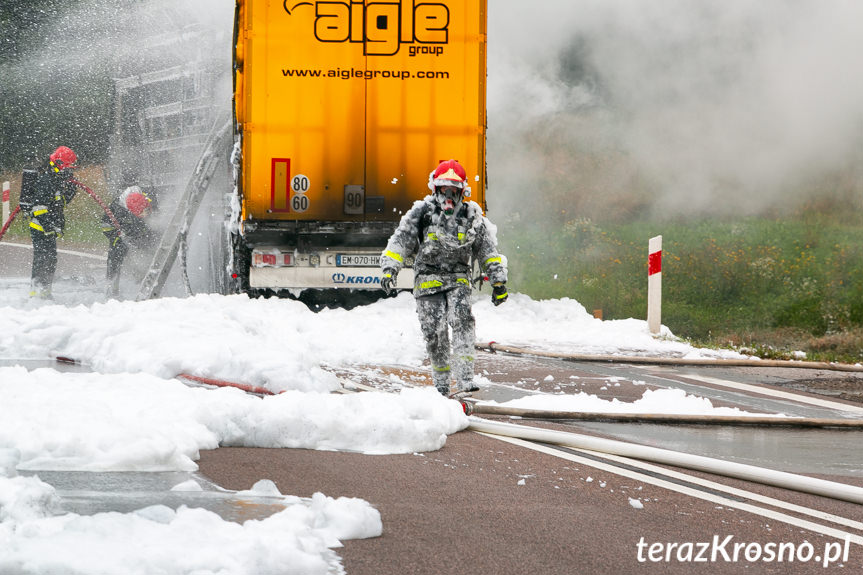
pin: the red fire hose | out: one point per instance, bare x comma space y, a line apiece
9, 221
90, 192
99, 201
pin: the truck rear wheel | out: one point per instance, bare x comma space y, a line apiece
242, 259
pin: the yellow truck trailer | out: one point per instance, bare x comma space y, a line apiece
342, 108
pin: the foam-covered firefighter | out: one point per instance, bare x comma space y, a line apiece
45, 192
446, 233
130, 210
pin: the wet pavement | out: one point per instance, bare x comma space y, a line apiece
833, 452
814, 451
88, 493
31, 364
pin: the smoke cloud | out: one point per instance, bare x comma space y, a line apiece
618, 107
57, 86
598, 107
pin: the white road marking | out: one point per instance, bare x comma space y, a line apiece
777, 393
350, 386
767, 513
739, 492
69, 252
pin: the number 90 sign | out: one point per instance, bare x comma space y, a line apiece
299, 200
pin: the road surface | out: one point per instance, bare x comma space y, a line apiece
485, 504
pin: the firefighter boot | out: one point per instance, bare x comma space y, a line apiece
441, 379
464, 375
40, 290
113, 289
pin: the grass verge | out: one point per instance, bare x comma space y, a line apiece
769, 286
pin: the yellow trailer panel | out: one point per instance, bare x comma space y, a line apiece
345, 107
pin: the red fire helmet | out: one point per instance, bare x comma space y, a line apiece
449, 173
63, 158
137, 203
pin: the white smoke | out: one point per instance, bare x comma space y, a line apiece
72, 66
718, 106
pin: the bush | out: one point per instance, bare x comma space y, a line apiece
728, 276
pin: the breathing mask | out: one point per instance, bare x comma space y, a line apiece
449, 198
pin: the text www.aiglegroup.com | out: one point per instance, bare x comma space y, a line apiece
354, 73
727, 550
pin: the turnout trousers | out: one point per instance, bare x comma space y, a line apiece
437, 314
44, 261
117, 250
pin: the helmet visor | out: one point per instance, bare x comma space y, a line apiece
450, 192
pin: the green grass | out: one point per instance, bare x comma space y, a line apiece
772, 285
83, 215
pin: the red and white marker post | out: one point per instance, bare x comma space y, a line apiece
5, 202
654, 285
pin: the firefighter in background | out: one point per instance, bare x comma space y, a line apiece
445, 232
43, 199
129, 209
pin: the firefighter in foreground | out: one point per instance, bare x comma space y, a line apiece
445, 232
44, 195
129, 210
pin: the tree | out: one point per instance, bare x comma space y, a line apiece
58, 61
20, 18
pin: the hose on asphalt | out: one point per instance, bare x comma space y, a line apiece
733, 469
494, 347
476, 408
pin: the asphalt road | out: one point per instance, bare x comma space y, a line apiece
484, 505
17, 256
481, 506
81, 271
77, 270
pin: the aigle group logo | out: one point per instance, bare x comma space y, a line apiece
382, 27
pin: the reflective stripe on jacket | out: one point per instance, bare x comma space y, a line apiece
443, 246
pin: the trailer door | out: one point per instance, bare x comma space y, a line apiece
300, 105
425, 97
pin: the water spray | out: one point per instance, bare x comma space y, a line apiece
99, 201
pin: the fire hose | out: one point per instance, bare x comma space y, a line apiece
102, 204
9, 221
802, 483
90, 192
477, 408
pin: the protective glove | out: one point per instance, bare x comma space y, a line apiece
498, 293
388, 282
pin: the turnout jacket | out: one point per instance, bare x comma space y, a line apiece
443, 246
45, 199
134, 230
